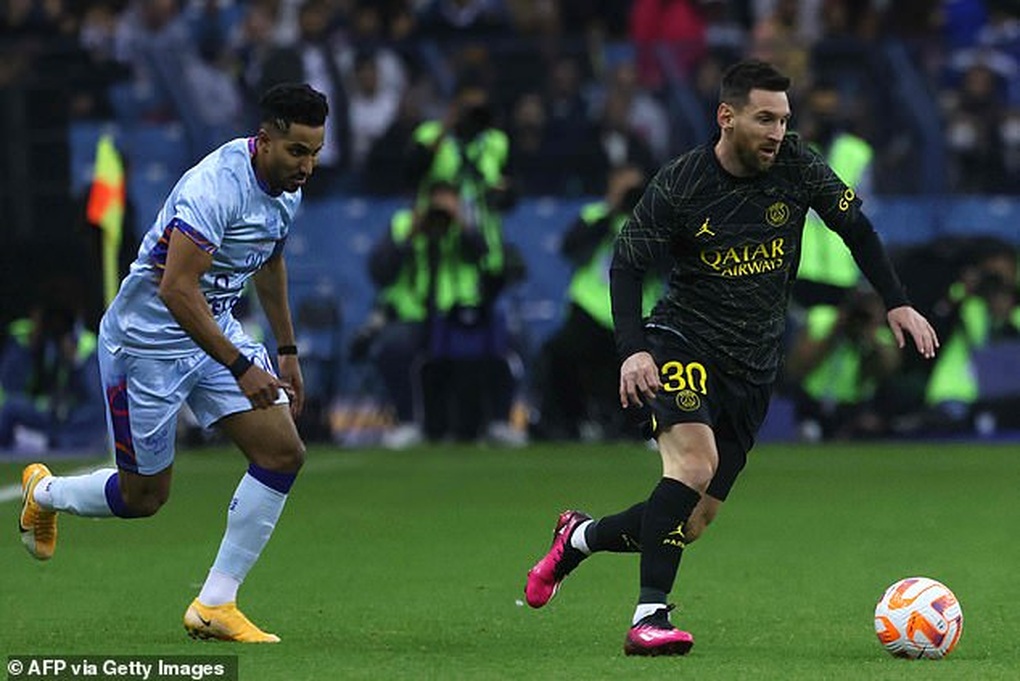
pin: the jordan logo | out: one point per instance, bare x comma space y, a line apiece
676, 537
704, 229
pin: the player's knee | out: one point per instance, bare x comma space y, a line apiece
287, 458
694, 471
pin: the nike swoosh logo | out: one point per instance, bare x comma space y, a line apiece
204, 621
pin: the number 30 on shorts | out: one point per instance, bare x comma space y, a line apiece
678, 376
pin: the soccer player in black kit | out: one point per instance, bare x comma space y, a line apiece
729, 214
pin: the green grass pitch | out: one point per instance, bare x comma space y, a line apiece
411, 565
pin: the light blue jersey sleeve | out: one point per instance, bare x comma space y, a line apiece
221, 207
205, 221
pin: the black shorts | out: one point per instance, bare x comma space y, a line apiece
695, 390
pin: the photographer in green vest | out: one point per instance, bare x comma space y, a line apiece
468, 150
840, 359
578, 367
49, 380
425, 267
827, 272
983, 310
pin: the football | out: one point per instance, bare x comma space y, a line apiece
918, 617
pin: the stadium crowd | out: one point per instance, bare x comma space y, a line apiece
926, 92
571, 80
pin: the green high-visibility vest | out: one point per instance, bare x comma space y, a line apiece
953, 378
838, 378
20, 330
487, 153
589, 287
457, 282
824, 257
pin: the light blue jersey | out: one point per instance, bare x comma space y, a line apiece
221, 206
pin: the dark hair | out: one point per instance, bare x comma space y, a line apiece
747, 75
287, 103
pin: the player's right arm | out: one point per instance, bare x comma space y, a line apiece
179, 290
642, 242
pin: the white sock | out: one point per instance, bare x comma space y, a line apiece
83, 495
251, 517
643, 610
577, 538
219, 588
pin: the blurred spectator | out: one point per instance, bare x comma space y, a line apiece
841, 357
676, 26
425, 268
646, 115
537, 173
571, 136
808, 15
618, 144
49, 380
372, 108
368, 35
983, 310
578, 368
724, 32
96, 38
313, 59
976, 119
253, 43
454, 20
597, 18
148, 25
216, 96
381, 171
778, 38
1001, 36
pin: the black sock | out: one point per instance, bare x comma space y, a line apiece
619, 533
662, 537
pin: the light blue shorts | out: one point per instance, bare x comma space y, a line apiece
144, 395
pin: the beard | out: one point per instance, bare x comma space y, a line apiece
750, 157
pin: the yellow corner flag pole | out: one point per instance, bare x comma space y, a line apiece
105, 210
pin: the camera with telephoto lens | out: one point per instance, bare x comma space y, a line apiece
436, 221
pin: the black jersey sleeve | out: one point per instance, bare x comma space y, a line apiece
840, 208
873, 260
642, 243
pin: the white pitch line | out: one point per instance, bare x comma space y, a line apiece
12, 492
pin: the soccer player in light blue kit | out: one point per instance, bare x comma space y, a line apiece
169, 337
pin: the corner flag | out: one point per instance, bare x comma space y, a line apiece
105, 210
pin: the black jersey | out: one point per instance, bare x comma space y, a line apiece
734, 243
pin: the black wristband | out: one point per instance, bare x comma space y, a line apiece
286, 350
239, 366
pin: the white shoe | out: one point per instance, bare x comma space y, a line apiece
502, 433
402, 436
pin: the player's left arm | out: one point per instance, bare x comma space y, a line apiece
840, 209
271, 287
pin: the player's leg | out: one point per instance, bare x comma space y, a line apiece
141, 425
689, 461
701, 517
270, 441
